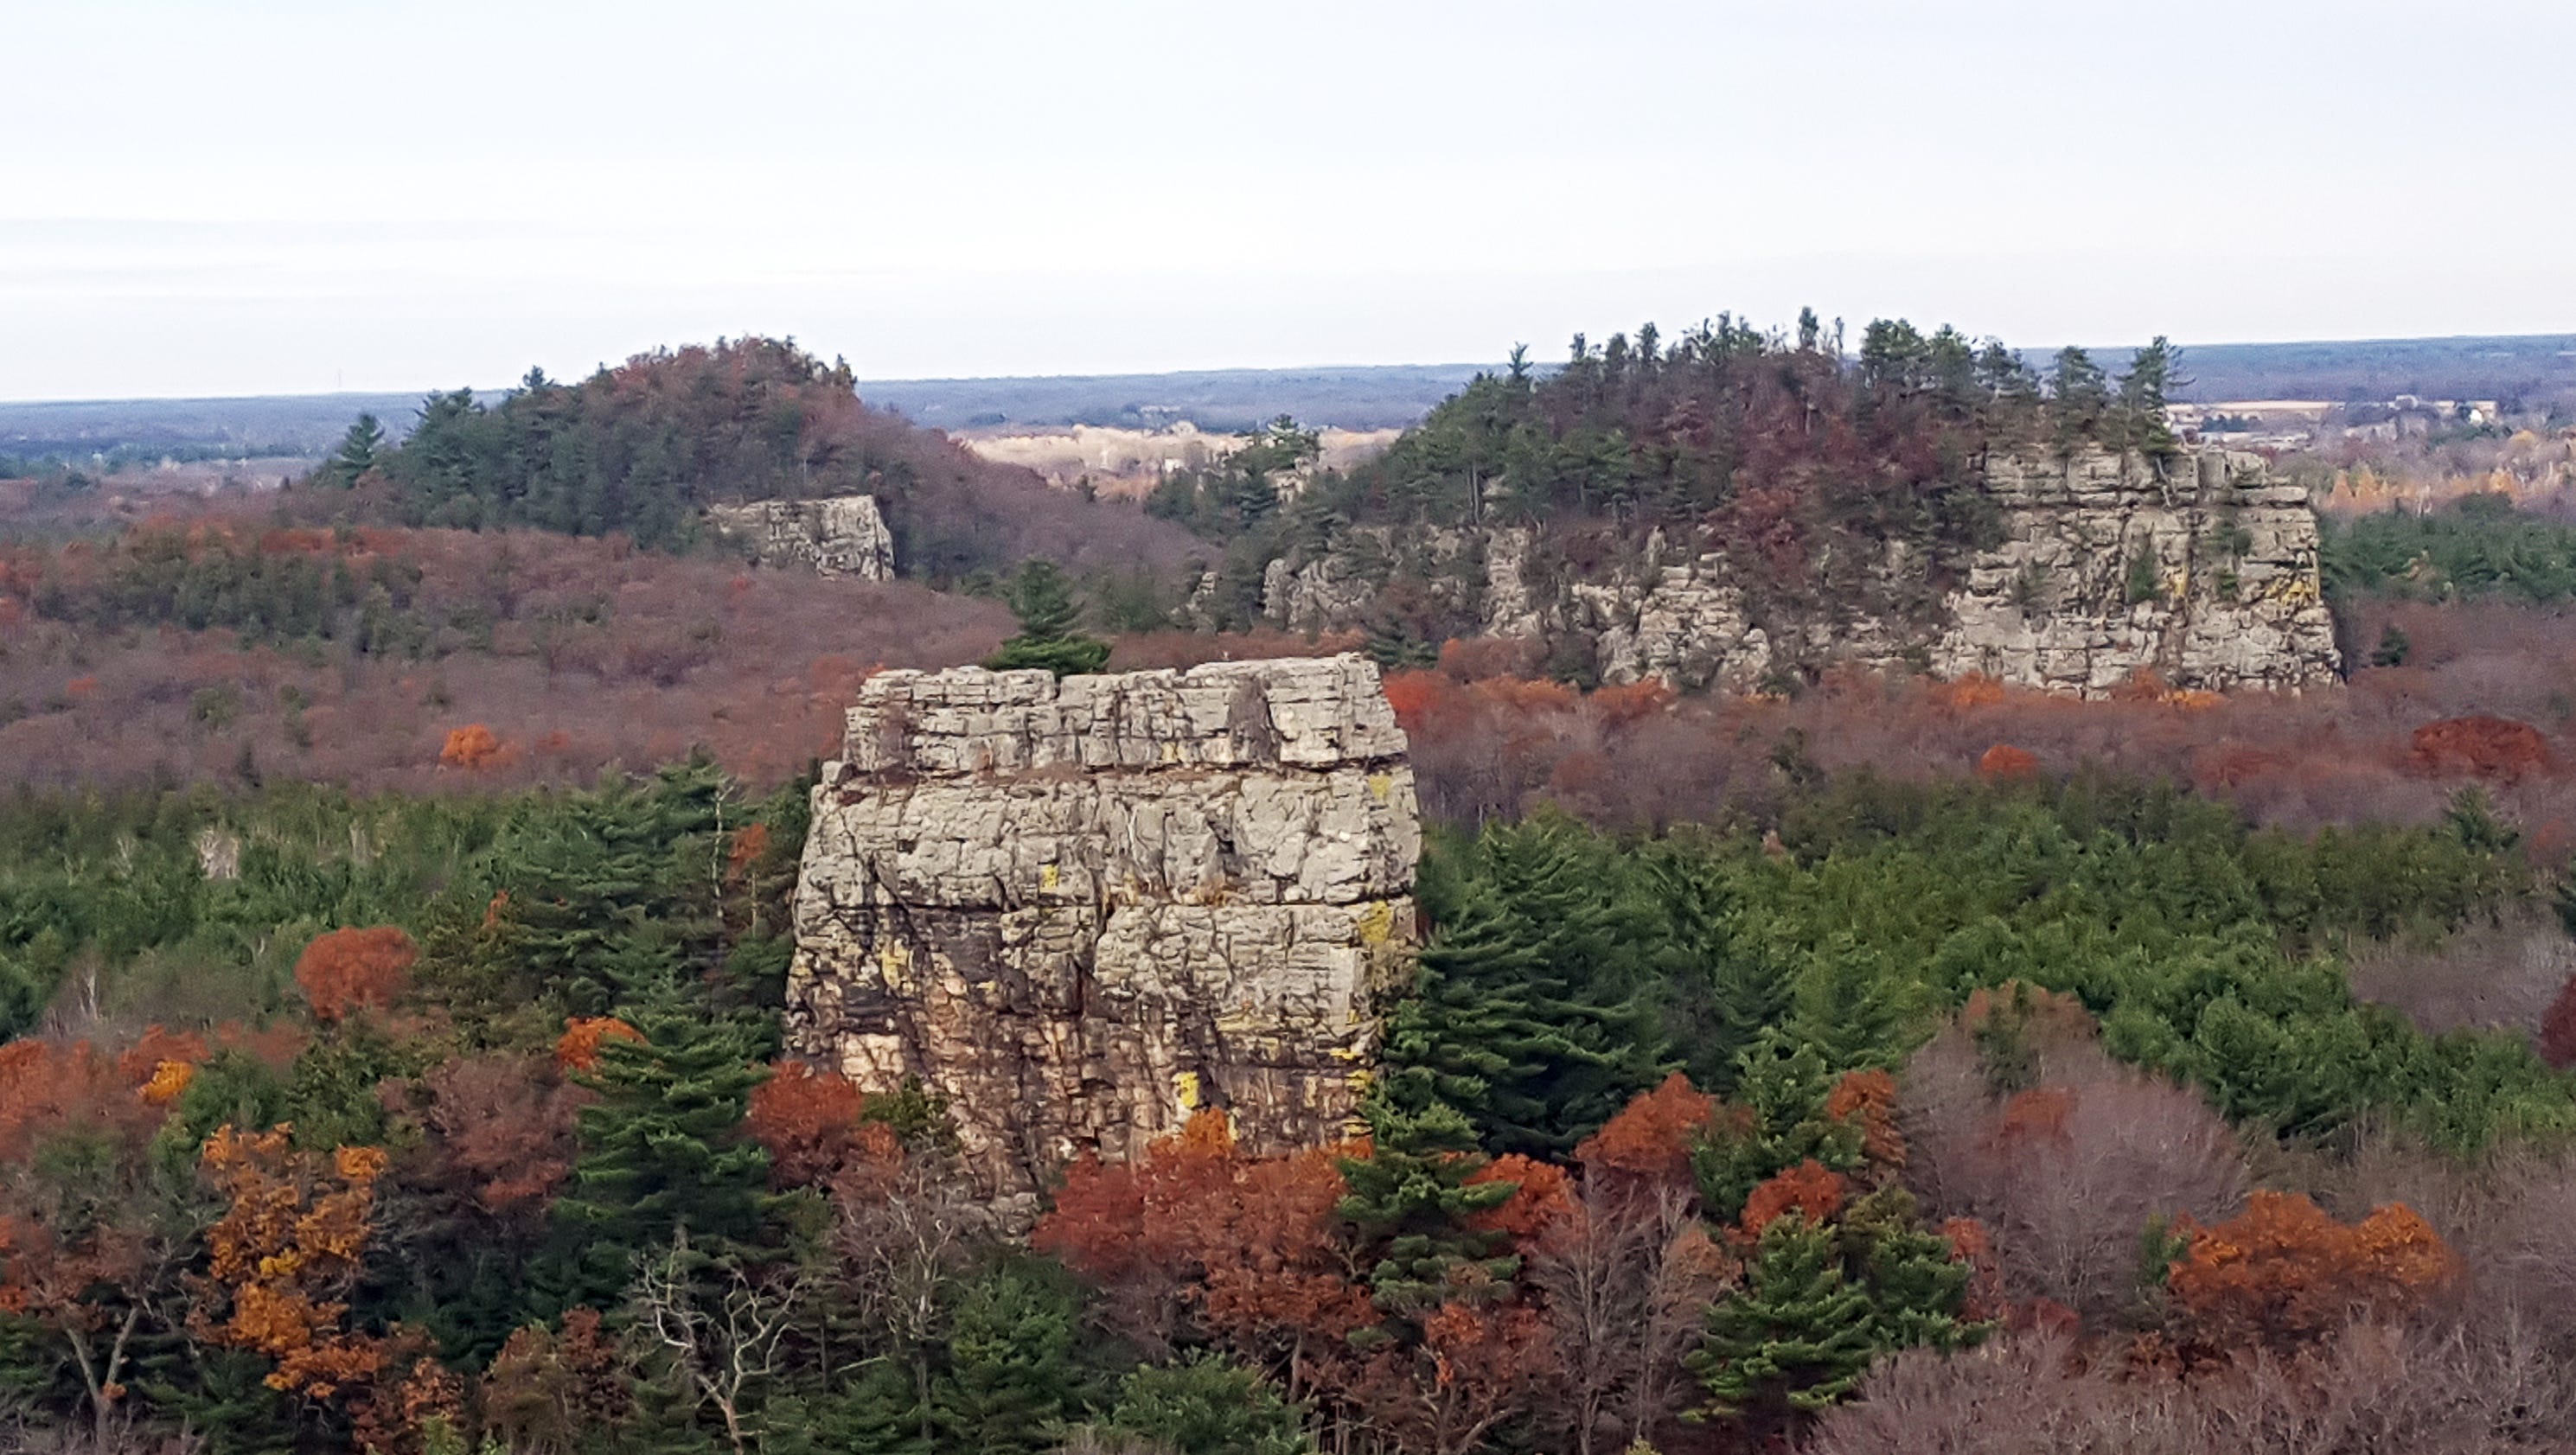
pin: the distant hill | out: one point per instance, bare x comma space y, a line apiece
2533, 368
2537, 368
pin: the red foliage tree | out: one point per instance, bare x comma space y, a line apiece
345, 971
806, 1118
1248, 1245
1649, 1141
2479, 747
2004, 763
2558, 1028
1807, 1188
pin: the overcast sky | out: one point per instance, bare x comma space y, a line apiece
260, 197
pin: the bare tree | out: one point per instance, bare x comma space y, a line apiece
722, 1341
1628, 1279
904, 1236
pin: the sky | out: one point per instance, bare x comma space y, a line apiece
272, 197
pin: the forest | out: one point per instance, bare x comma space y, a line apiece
393, 916
458, 1123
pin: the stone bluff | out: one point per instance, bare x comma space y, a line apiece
2201, 569
1082, 909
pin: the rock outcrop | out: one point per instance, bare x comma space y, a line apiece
844, 535
1081, 910
2201, 569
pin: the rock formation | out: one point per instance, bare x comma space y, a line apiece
2201, 569
1080, 910
844, 535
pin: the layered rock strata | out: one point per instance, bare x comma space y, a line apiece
843, 535
1081, 910
2201, 569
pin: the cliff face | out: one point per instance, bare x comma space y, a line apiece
1082, 910
2202, 570
845, 535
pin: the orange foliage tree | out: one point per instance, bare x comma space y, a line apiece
471, 746
577, 1049
283, 1257
345, 971
806, 1118
1248, 1247
2284, 1274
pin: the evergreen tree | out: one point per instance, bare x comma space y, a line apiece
2152, 374
1043, 602
663, 1147
1410, 1200
1207, 1405
1459, 1039
1568, 1015
1722, 988
1851, 1006
1794, 1339
1917, 1285
1781, 1087
1010, 1376
357, 452
608, 894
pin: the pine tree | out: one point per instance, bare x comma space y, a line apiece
1781, 1087
1010, 1372
1851, 1006
1410, 1199
1917, 1286
357, 454
1043, 602
1207, 1405
663, 1148
1726, 988
1537, 989
1794, 1339
1453, 1041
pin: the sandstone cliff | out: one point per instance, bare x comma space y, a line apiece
844, 535
2201, 569
1082, 909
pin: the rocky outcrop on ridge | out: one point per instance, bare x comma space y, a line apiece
844, 535
2201, 569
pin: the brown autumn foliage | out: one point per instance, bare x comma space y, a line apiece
1650, 1140
1806, 1189
2480, 747
498, 1128
2004, 763
345, 971
2558, 1028
574, 653
1494, 747
807, 1119
548, 1388
2283, 1274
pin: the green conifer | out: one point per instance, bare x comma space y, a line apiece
663, 1147
1794, 1339
1781, 1087
1411, 1200
1010, 1373
1043, 602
